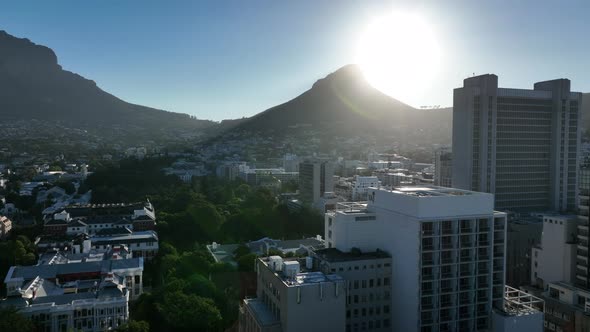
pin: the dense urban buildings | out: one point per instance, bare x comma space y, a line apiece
521, 145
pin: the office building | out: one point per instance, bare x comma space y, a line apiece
368, 285
520, 145
292, 297
447, 253
443, 167
316, 177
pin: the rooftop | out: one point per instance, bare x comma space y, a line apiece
430, 191
302, 277
335, 255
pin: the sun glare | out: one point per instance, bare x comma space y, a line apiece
399, 55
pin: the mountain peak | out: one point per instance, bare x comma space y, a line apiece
33, 85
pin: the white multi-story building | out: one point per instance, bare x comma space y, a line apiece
555, 258
361, 185
447, 249
521, 145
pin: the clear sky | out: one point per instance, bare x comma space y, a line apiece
227, 59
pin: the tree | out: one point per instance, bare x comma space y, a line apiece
12, 320
184, 312
135, 326
246, 262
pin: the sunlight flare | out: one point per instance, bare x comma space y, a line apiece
399, 55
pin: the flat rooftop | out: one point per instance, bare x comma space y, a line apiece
430, 191
304, 276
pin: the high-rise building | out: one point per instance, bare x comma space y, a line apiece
443, 167
583, 254
521, 145
447, 250
316, 177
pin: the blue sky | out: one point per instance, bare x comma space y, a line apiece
227, 59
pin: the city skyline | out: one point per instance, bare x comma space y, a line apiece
217, 63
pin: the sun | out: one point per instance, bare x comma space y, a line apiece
399, 55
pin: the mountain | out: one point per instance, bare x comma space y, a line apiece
34, 86
344, 103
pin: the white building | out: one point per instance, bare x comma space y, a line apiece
361, 185
555, 259
55, 296
293, 297
447, 247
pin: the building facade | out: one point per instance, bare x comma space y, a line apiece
368, 286
291, 296
315, 178
521, 145
447, 249
443, 167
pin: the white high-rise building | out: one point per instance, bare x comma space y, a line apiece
521, 145
447, 250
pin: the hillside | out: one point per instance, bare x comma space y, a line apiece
344, 104
34, 86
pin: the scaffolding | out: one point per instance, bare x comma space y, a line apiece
518, 302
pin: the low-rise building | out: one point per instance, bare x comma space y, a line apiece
85, 291
291, 296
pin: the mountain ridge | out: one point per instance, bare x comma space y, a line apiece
34, 85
